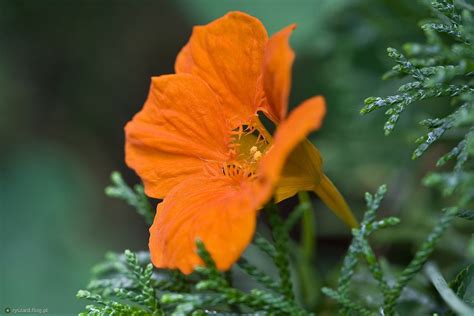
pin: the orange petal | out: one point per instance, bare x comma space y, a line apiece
180, 132
228, 55
184, 62
221, 212
290, 133
277, 73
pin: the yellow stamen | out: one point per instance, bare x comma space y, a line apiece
257, 155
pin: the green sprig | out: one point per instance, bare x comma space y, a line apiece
134, 197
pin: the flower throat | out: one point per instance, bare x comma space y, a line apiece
249, 144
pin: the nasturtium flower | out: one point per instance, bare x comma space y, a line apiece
198, 142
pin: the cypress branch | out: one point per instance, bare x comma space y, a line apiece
134, 197
280, 236
419, 259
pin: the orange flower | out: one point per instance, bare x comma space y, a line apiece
198, 142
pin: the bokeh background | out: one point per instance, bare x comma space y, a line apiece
72, 73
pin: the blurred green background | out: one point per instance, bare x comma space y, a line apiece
72, 73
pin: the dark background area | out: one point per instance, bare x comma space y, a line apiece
72, 73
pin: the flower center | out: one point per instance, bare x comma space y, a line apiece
248, 145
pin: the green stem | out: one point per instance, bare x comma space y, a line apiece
308, 275
308, 231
